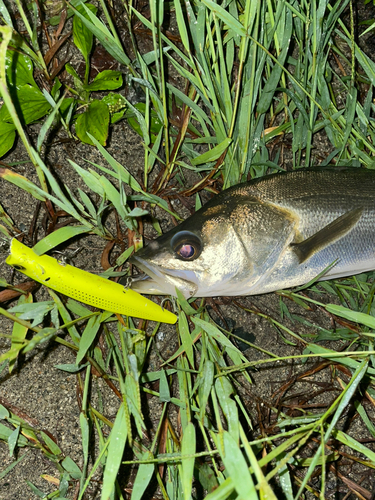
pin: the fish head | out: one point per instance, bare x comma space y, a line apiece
194, 261
221, 250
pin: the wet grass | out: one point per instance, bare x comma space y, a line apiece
262, 83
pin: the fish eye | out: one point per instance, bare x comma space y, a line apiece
186, 245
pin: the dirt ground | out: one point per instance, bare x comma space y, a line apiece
46, 397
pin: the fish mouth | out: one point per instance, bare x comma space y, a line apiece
162, 281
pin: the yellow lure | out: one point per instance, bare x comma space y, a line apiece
83, 286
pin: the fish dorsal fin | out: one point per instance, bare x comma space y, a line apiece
334, 231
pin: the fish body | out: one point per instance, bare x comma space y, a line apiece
274, 232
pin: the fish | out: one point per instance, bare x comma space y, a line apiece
274, 232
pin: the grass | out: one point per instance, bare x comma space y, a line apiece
253, 73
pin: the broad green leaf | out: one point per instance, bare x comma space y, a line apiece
207, 477
67, 107
31, 105
3, 283
77, 79
116, 105
55, 20
106, 80
94, 120
7, 137
19, 71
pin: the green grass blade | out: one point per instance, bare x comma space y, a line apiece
237, 468
188, 448
59, 236
143, 477
88, 337
109, 42
117, 441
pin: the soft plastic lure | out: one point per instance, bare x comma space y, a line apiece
83, 286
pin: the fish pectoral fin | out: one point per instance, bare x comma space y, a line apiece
334, 231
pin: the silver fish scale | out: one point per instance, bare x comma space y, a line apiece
253, 235
325, 196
